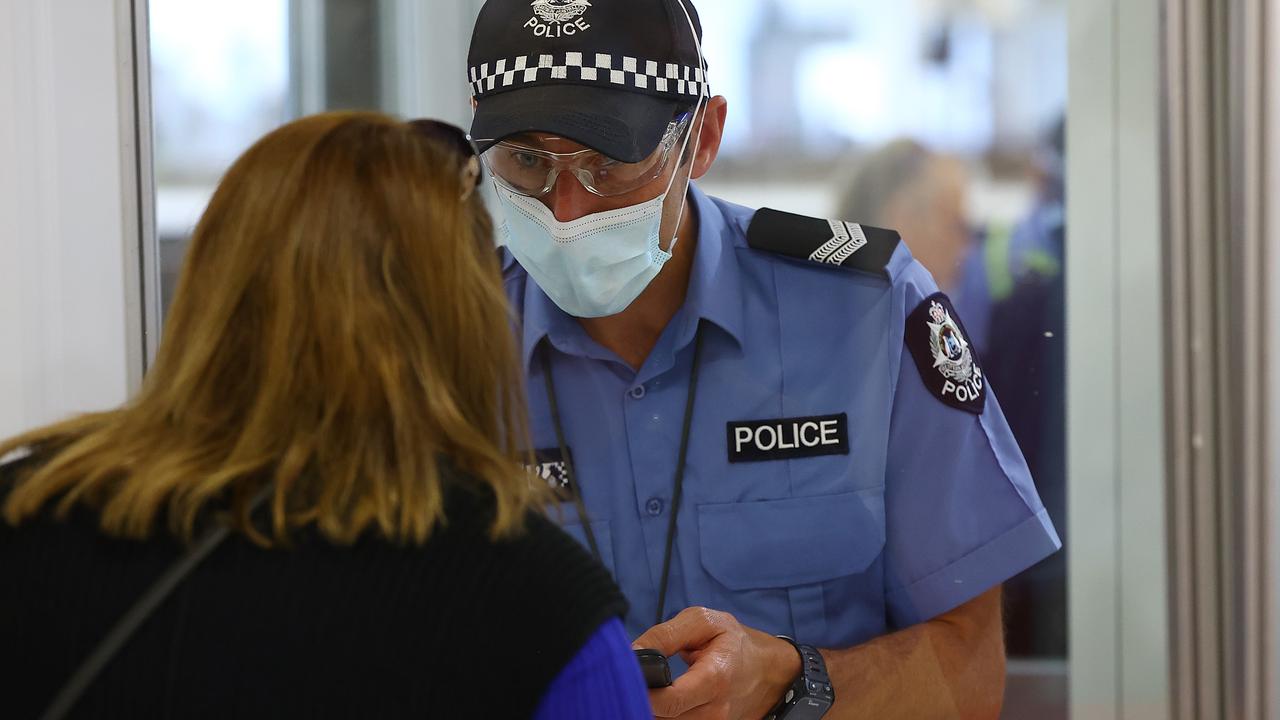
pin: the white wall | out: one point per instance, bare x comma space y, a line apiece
68, 209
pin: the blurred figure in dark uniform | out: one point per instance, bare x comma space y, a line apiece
1026, 359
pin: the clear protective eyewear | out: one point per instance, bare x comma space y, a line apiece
533, 172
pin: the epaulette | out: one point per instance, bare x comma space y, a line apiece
826, 242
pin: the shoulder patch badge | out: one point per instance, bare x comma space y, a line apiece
947, 361
826, 242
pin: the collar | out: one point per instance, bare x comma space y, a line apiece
714, 294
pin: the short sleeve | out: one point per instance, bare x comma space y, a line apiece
961, 512
602, 681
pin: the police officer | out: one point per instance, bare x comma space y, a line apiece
772, 429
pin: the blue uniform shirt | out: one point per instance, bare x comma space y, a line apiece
930, 507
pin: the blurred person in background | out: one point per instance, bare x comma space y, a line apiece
318, 504
924, 196
1036, 244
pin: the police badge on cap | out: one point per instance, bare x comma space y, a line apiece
553, 18
947, 361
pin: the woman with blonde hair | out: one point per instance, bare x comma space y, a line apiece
317, 505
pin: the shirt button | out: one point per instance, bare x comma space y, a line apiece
637, 392
654, 507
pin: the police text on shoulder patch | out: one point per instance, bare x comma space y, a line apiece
550, 466
947, 361
788, 438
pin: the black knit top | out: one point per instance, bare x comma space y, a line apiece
460, 628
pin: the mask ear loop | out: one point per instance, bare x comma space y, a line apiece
703, 95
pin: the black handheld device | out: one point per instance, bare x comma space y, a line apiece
654, 666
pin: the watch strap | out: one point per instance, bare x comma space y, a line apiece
811, 695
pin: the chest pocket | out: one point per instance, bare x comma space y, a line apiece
806, 566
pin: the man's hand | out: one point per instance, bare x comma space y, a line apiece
735, 672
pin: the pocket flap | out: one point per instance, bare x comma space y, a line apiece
782, 543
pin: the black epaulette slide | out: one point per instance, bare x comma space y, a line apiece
826, 242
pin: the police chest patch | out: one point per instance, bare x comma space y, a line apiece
947, 361
550, 466
788, 438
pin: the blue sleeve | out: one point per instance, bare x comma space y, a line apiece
602, 681
961, 512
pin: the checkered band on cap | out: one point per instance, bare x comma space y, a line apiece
604, 70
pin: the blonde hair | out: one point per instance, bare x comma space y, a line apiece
339, 332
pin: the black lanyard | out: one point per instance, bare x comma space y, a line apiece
678, 491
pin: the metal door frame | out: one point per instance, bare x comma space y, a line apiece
142, 255
1118, 577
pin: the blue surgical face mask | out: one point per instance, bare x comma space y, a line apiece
597, 265
594, 266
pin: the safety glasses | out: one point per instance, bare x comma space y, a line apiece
533, 172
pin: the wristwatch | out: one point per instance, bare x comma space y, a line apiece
811, 695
